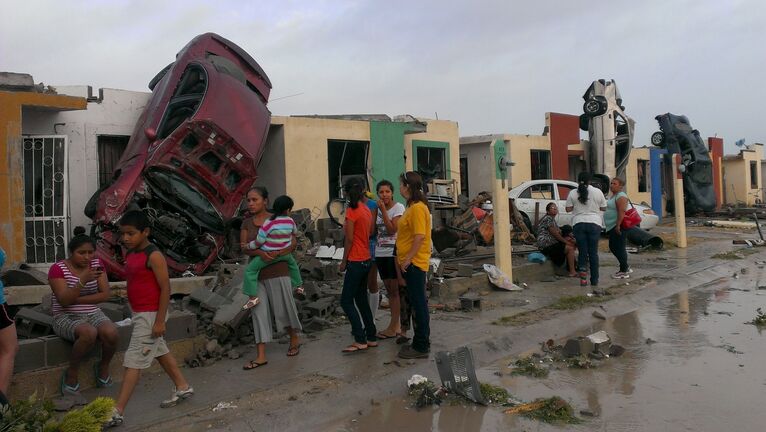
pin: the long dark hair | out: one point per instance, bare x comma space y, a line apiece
414, 183
582, 188
354, 188
282, 206
79, 239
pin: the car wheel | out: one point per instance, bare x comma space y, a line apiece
592, 107
527, 222
658, 138
584, 120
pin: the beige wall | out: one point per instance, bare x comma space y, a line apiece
736, 180
305, 156
631, 177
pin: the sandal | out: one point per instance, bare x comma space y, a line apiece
101, 382
353, 348
382, 336
294, 350
250, 303
372, 344
66, 389
300, 293
252, 364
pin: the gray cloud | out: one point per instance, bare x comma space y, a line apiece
493, 66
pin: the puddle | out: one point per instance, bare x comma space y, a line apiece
704, 371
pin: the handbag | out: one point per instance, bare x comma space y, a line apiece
631, 218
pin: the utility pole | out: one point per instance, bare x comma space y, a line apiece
500, 209
678, 198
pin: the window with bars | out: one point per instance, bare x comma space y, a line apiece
110, 149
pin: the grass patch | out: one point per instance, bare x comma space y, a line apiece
494, 395
735, 255
530, 367
519, 318
575, 302
760, 318
553, 410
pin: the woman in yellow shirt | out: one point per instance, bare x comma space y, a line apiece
413, 252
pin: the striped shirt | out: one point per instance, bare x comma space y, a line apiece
276, 234
61, 271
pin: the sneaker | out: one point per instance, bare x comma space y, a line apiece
116, 420
630, 270
177, 396
583, 279
621, 275
408, 352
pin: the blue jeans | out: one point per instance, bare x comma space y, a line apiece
416, 293
355, 292
587, 235
617, 247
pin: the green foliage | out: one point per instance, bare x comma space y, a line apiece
553, 410
90, 418
529, 366
575, 302
493, 394
36, 415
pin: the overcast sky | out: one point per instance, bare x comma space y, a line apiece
492, 66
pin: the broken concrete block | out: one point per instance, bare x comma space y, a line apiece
601, 342
465, 270
31, 355
24, 276
598, 314
207, 299
57, 350
578, 347
16, 81
322, 308
470, 302
180, 325
232, 315
31, 323
310, 290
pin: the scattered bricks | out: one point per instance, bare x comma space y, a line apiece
31, 355
601, 342
310, 290
113, 311
207, 299
321, 308
465, 270
180, 325
31, 323
232, 315
329, 271
57, 350
470, 302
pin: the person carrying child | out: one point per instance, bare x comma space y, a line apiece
274, 236
148, 287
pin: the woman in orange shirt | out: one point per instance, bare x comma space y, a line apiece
413, 252
356, 263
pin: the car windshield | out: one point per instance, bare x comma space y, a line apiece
183, 197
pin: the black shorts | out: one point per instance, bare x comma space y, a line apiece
386, 267
556, 253
5, 317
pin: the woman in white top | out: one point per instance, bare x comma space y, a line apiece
389, 212
587, 204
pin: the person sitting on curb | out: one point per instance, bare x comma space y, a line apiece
553, 243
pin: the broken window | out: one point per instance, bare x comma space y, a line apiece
185, 101
110, 149
431, 163
753, 175
345, 159
538, 191
464, 175
642, 172
540, 164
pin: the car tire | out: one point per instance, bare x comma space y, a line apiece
584, 121
527, 222
594, 107
658, 139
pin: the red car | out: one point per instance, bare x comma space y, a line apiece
191, 158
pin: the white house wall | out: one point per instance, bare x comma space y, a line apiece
116, 114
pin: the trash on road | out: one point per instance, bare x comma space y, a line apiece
223, 406
500, 279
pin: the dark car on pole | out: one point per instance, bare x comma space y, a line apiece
677, 136
191, 158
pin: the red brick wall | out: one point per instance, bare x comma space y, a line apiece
564, 130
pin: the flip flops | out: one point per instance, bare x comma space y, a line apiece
66, 389
250, 303
293, 351
252, 364
382, 336
354, 348
100, 382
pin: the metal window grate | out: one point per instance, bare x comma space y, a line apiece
458, 373
46, 213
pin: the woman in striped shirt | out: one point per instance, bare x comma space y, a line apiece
79, 284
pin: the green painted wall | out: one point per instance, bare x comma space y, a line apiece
387, 153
